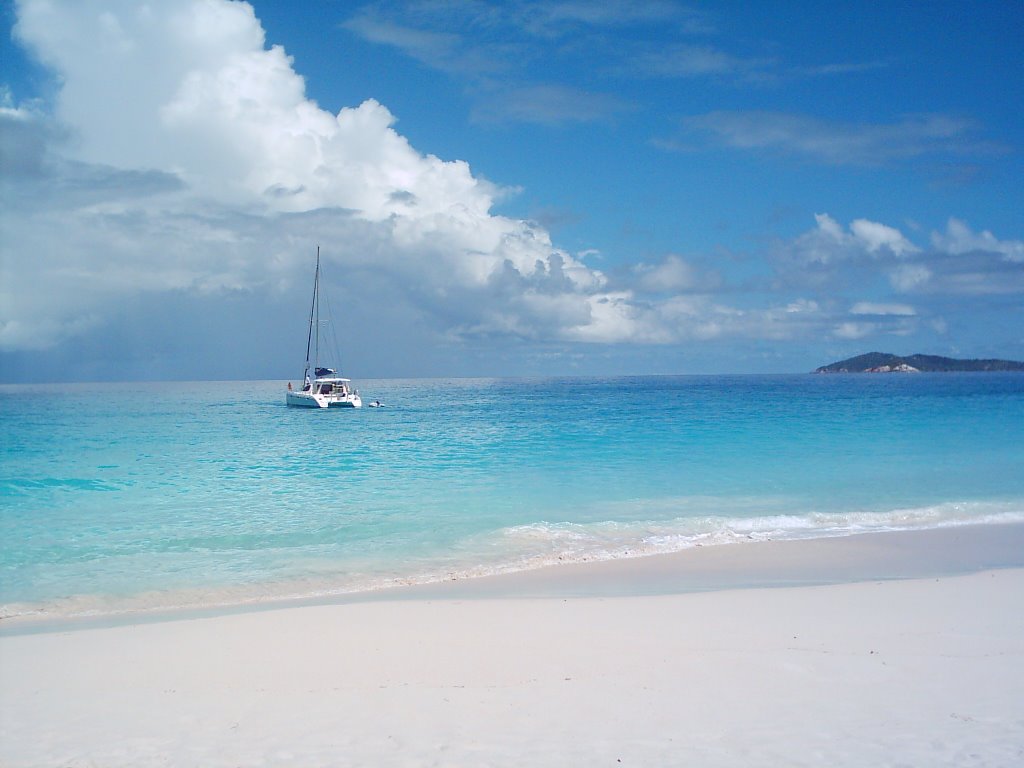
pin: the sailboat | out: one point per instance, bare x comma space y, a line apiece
326, 389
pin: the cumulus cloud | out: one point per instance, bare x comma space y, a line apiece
183, 158
186, 136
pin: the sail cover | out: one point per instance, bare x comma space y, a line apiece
325, 371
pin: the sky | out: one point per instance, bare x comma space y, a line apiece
506, 188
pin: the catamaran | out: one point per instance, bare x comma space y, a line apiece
326, 389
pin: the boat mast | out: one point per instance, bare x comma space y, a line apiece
312, 309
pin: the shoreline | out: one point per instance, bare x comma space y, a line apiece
754, 564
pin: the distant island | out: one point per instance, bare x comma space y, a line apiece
883, 362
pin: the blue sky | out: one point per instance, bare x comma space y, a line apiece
511, 188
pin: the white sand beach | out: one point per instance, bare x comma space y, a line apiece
908, 671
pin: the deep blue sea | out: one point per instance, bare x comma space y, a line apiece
121, 497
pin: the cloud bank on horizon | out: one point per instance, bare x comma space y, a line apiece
181, 163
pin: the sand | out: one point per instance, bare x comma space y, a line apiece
560, 668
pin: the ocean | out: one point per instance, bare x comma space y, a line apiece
131, 497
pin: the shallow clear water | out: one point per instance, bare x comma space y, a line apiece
118, 496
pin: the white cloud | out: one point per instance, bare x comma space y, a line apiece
959, 238
188, 87
187, 91
877, 236
829, 243
829, 227
612, 318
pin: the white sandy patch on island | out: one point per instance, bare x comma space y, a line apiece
921, 672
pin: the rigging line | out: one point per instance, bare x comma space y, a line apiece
316, 282
332, 335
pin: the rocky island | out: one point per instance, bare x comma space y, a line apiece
884, 362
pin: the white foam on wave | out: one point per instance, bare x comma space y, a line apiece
550, 543
528, 547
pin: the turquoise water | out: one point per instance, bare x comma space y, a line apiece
131, 496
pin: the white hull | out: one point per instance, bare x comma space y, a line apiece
316, 400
